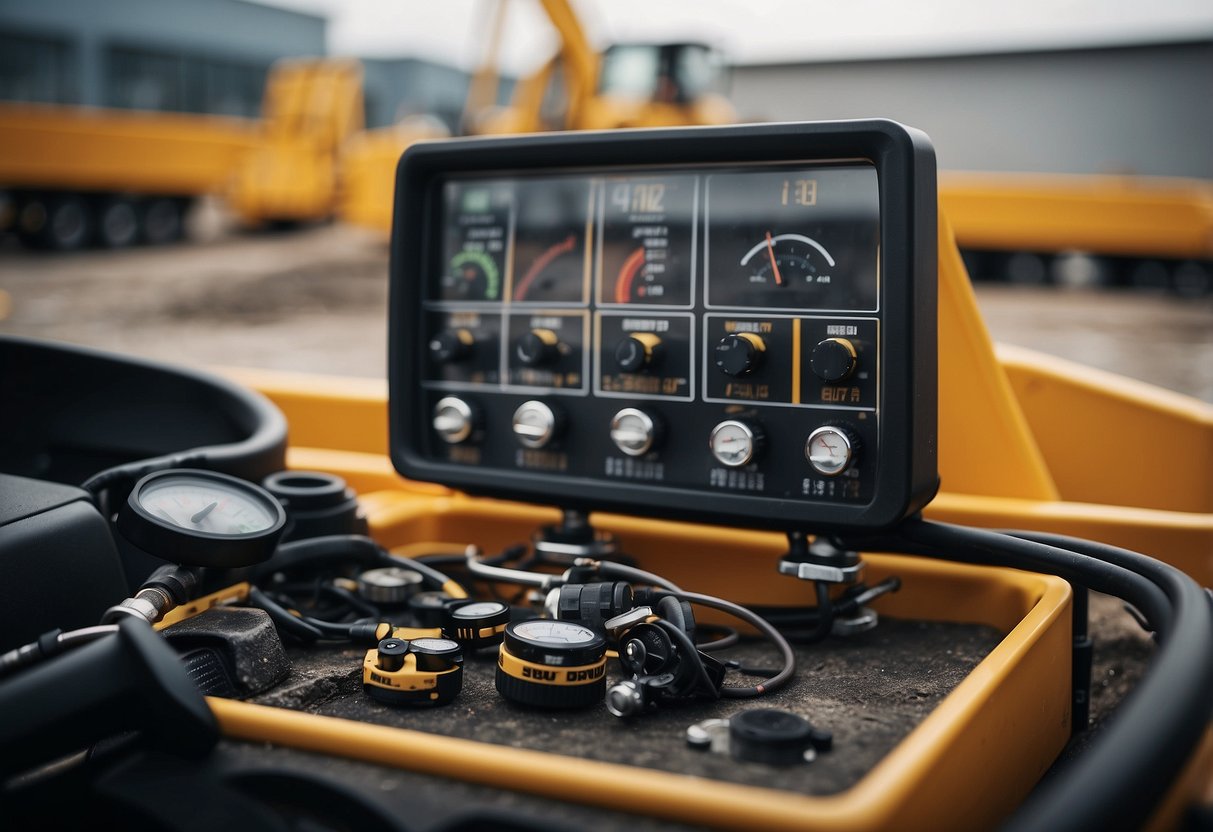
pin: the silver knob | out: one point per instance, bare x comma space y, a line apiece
535, 424
453, 420
633, 431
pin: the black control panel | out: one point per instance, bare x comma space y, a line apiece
733, 325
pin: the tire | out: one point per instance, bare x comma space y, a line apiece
1192, 279
162, 220
1023, 268
117, 222
59, 222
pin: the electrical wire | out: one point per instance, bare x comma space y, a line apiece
776, 681
1128, 769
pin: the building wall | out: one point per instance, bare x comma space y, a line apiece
1141, 109
399, 87
185, 55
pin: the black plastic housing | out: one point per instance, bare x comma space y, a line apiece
906, 472
58, 562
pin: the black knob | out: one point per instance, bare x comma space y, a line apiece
537, 347
833, 359
637, 351
391, 653
451, 345
739, 354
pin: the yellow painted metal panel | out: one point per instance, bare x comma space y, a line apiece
1115, 440
1126, 215
985, 445
95, 149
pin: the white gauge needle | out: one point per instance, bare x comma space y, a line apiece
200, 516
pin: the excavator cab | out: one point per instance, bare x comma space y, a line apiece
667, 73
660, 84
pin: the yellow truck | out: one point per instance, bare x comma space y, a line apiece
1142, 232
72, 176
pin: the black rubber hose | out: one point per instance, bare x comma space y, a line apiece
315, 552
1129, 768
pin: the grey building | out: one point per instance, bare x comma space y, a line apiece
1144, 109
201, 56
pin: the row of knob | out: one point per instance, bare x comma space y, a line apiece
829, 449
737, 354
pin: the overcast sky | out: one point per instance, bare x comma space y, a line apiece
757, 31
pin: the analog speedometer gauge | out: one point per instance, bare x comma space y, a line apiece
802, 238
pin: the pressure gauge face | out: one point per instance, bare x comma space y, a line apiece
734, 443
829, 450
202, 518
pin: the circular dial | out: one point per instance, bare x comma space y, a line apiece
472, 275
790, 263
634, 431
436, 654
479, 609
206, 505
538, 347
637, 351
740, 353
735, 443
833, 360
829, 450
202, 518
476, 624
554, 632
388, 584
454, 419
535, 424
451, 346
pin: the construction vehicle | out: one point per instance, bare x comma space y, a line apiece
1126, 231
578, 88
75, 175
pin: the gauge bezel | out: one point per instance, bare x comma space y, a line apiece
195, 547
906, 475
554, 653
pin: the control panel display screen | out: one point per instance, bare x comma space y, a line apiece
673, 335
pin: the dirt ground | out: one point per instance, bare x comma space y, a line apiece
315, 300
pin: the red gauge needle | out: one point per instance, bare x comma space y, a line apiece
826, 444
774, 265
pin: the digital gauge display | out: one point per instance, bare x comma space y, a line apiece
721, 324
475, 240
804, 238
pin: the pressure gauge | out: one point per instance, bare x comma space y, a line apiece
551, 664
735, 442
202, 518
829, 450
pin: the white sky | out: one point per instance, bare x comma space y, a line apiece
757, 31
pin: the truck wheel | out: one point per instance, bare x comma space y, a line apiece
60, 222
162, 220
1023, 268
1192, 279
1149, 275
117, 222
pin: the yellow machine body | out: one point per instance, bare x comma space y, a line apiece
75, 148
1115, 215
283, 167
